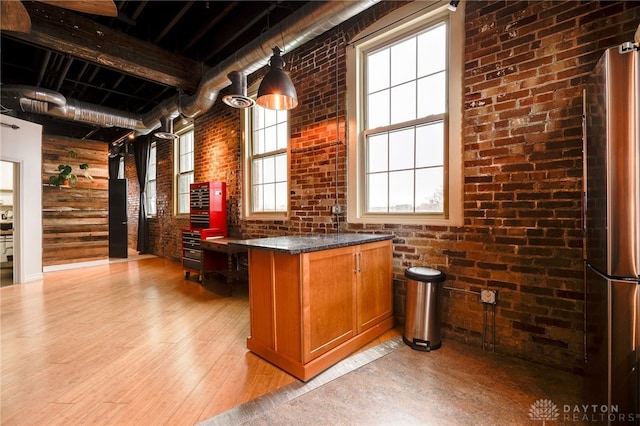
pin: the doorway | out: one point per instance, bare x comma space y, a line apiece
7, 207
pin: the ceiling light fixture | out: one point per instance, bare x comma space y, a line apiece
166, 129
453, 5
238, 97
276, 90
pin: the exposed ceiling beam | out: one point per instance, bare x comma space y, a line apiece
59, 30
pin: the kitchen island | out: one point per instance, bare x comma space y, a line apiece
315, 299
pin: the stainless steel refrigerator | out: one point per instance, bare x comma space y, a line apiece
612, 235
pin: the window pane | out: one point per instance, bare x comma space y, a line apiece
185, 157
186, 162
258, 141
282, 116
268, 170
151, 169
257, 198
432, 51
401, 191
258, 116
256, 171
150, 185
378, 110
270, 117
430, 190
430, 145
186, 152
377, 192
403, 61
183, 203
378, 71
377, 153
270, 139
401, 150
281, 196
403, 103
269, 197
150, 190
121, 169
432, 95
184, 181
282, 136
281, 168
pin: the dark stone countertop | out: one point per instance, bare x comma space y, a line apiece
296, 244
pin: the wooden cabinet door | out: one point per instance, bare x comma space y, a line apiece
328, 300
374, 285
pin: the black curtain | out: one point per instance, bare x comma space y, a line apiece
141, 152
114, 167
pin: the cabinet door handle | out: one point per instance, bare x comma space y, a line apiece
358, 262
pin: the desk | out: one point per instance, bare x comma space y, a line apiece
221, 245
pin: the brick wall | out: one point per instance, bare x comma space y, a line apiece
218, 155
525, 67
133, 199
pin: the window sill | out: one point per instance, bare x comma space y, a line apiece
267, 216
406, 220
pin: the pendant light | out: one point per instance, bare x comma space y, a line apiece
276, 90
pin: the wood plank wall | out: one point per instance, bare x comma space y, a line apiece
75, 219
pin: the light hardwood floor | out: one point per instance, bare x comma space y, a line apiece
128, 343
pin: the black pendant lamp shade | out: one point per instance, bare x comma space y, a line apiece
276, 89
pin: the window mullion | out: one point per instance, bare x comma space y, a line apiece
412, 123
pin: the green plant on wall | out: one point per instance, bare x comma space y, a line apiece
65, 175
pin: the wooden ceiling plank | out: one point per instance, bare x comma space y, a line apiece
95, 7
63, 31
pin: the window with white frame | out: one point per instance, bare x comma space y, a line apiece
184, 154
405, 157
150, 185
121, 168
266, 163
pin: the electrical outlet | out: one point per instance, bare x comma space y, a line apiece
337, 209
488, 296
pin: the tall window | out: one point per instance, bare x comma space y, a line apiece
406, 157
184, 170
266, 161
121, 168
150, 186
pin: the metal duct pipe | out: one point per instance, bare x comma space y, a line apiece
48, 102
303, 25
16, 94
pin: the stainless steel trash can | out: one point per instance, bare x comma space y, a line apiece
423, 310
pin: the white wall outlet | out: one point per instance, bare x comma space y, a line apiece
488, 296
337, 209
